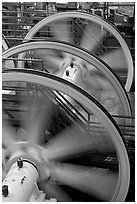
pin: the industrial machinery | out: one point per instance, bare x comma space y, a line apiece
66, 115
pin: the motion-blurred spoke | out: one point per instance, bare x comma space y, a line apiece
55, 191
39, 121
94, 181
73, 141
116, 60
92, 36
50, 60
94, 81
8, 133
62, 32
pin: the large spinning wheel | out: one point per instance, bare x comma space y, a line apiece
59, 128
89, 32
97, 79
90, 157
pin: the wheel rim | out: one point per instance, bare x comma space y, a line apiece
91, 104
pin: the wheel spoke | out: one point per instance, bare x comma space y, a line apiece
116, 60
8, 133
40, 120
94, 181
61, 31
55, 191
50, 60
94, 81
73, 141
92, 36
